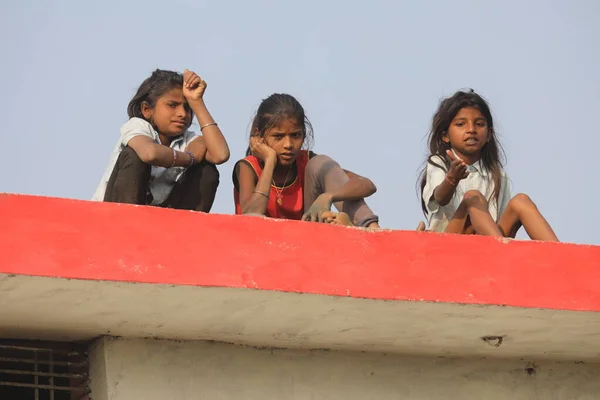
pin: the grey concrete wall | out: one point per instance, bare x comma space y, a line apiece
125, 369
97, 365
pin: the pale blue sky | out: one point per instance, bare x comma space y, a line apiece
369, 74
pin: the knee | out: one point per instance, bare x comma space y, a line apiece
320, 163
209, 174
473, 197
130, 155
521, 201
129, 159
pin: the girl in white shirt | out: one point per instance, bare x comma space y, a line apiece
464, 188
157, 160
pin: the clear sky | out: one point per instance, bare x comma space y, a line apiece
369, 74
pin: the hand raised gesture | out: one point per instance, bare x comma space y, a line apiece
458, 168
193, 86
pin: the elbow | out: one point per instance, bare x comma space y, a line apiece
440, 198
148, 155
441, 202
252, 211
219, 158
370, 188
222, 158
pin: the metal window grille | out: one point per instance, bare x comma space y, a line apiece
35, 370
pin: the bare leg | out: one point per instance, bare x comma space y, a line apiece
473, 214
522, 211
324, 175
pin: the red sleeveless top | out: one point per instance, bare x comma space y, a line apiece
292, 195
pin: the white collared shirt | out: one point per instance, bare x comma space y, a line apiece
162, 179
478, 179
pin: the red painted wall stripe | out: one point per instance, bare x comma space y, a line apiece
116, 242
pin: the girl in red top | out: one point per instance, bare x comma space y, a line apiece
280, 178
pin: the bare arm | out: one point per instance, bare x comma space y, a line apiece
156, 154
253, 191
444, 192
217, 150
198, 148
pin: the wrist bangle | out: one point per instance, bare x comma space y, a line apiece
264, 194
450, 181
192, 159
209, 124
174, 158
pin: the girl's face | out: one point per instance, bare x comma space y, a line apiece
468, 132
171, 115
286, 139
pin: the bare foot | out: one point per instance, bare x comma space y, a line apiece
334, 218
421, 227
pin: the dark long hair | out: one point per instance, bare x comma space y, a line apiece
159, 83
276, 108
492, 153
